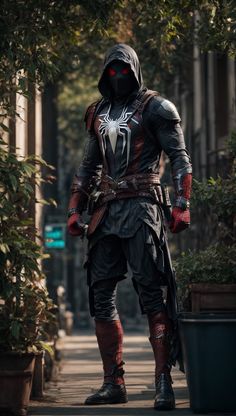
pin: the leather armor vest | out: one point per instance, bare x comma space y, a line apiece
121, 134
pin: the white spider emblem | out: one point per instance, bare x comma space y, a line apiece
114, 128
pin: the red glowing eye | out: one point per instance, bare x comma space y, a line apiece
125, 71
111, 72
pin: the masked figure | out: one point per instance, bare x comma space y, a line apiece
118, 181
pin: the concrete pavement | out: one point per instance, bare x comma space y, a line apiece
81, 374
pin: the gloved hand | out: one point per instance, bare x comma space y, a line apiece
75, 225
180, 220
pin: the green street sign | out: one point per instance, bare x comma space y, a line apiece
54, 236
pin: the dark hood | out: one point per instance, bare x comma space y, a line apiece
125, 53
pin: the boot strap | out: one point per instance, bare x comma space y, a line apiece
116, 370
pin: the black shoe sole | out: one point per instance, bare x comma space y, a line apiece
120, 401
164, 406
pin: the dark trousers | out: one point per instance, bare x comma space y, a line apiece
108, 265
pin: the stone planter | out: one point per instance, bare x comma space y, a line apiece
16, 372
212, 297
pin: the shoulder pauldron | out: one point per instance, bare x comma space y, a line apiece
168, 110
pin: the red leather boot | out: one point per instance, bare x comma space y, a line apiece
110, 341
160, 333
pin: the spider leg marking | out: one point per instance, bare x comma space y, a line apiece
123, 139
128, 143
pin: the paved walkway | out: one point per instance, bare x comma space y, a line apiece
82, 374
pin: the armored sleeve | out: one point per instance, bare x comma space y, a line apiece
91, 164
163, 122
83, 180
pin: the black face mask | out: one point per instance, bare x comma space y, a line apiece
121, 79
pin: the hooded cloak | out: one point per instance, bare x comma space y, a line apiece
126, 54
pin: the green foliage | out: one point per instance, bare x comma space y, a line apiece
218, 198
163, 33
47, 347
215, 198
39, 40
216, 26
24, 301
215, 264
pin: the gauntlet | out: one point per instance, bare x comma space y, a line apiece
180, 219
77, 204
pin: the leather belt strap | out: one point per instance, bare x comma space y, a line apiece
116, 195
131, 182
131, 186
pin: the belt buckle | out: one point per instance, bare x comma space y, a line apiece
122, 185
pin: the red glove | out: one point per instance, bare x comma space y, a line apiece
75, 226
180, 220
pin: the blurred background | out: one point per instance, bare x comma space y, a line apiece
50, 62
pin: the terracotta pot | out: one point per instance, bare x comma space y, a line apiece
16, 372
38, 377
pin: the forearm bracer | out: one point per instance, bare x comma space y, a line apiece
182, 183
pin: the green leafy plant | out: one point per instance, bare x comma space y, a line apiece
216, 263
24, 301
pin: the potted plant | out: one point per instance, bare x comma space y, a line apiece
24, 301
212, 269
207, 279
207, 292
